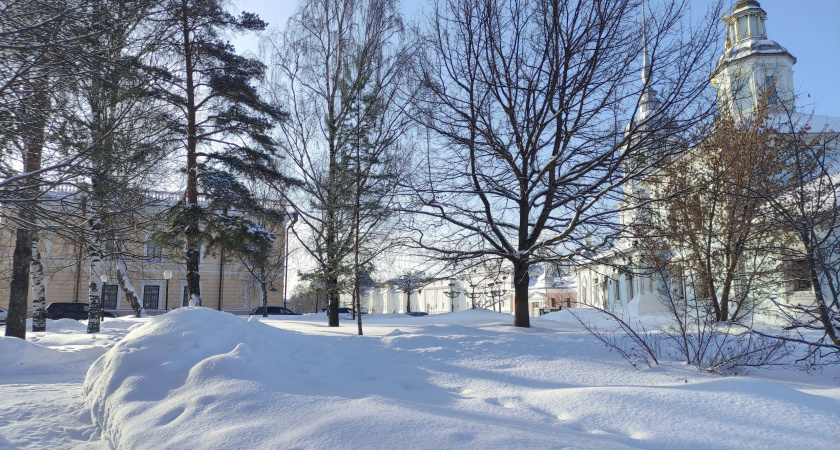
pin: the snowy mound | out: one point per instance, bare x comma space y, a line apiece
20, 355
66, 325
568, 315
199, 379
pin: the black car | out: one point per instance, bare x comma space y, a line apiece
344, 312
417, 313
274, 311
68, 310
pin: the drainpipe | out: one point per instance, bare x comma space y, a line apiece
221, 267
221, 276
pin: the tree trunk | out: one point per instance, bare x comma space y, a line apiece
522, 317
265, 297
192, 231
36, 274
34, 135
222, 276
126, 286
95, 254
19, 287
332, 303
408, 302
357, 221
358, 308
726, 288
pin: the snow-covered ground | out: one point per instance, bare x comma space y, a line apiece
197, 378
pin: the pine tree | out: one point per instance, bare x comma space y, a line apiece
224, 122
243, 229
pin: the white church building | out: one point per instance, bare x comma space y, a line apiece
751, 64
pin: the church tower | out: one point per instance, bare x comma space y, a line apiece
751, 63
648, 116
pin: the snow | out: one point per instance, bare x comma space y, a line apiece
199, 378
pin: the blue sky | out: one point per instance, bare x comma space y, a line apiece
809, 29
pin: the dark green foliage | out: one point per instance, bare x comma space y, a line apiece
224, 125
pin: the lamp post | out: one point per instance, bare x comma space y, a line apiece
104, 279
452, 293
497, 290
473, 295
167, 275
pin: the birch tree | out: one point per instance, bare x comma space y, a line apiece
341, 72
34, 49
121, 123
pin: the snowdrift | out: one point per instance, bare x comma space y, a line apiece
19, 355
197, 378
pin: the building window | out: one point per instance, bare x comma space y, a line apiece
151, 296
743, 30
754, 30
109, 296
799, 275
770, 87
742, 92
154, 251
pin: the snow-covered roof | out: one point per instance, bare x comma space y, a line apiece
750, 47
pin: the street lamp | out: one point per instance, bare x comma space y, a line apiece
167, 275
497, 290
104, 279
452, 293
473, 295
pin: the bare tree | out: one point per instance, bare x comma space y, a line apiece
36, 47
540, 118
307, 298
408, 283
713, 217
341, 70
123, 124
809, 211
